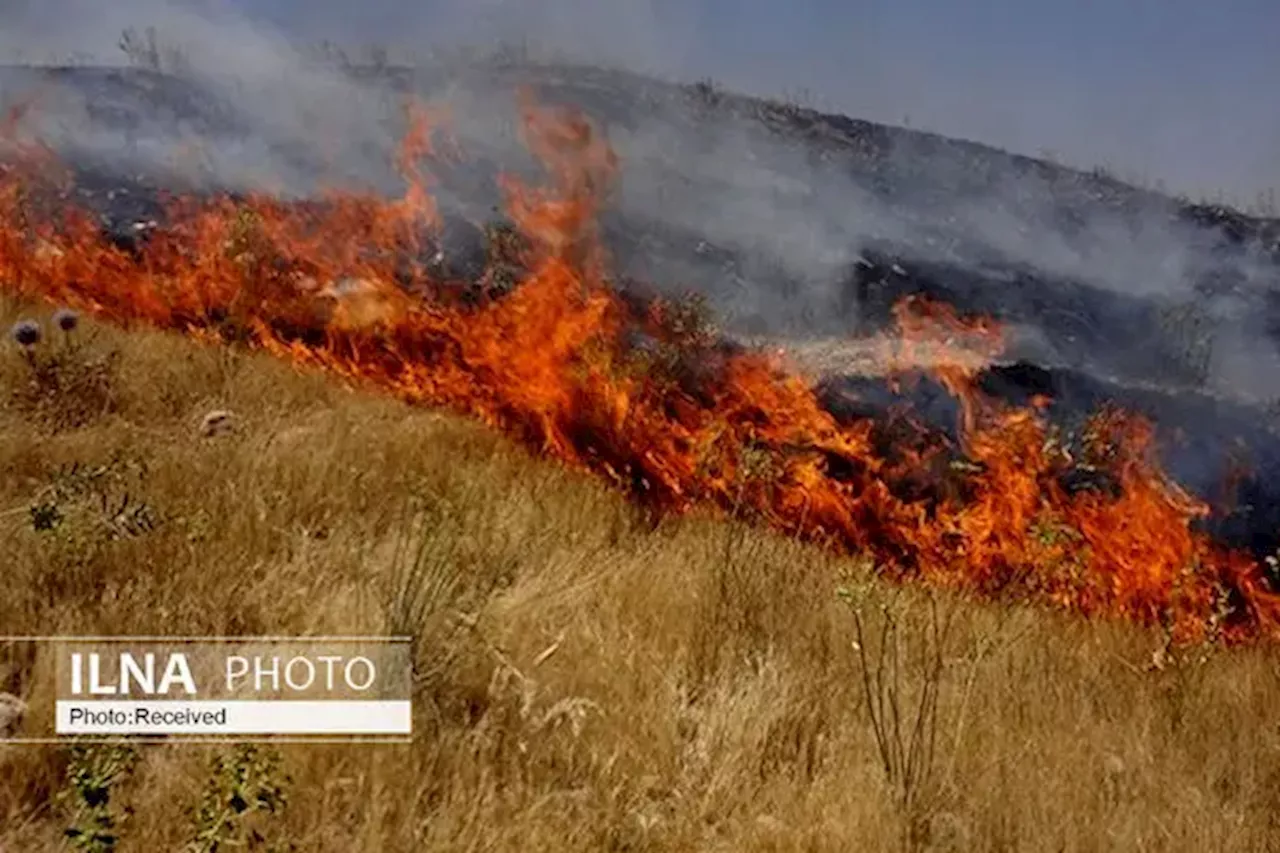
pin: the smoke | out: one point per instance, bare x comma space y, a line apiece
247, 109
712, 197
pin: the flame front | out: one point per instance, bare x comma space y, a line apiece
336, 284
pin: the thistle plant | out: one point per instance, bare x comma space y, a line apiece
26, 334
67, 321
67, 387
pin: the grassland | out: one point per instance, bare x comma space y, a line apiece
589, 679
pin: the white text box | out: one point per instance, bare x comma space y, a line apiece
234, 717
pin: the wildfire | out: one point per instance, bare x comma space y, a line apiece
338, 284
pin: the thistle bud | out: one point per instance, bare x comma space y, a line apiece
66, 320
26, 333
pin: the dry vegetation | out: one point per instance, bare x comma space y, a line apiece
589, 680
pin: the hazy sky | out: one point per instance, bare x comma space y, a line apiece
1179, 90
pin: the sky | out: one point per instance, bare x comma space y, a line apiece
1175, 91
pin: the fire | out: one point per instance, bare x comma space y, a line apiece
338, 284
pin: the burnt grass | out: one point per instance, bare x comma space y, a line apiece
1092, 345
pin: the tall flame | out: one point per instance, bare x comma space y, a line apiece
336, 284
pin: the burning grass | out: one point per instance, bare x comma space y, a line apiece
592, 681
661, 408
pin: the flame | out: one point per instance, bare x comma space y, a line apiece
336, 283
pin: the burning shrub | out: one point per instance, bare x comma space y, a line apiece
506, 264
245, 242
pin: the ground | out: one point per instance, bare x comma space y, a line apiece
590, 680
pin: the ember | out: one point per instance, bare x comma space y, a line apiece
667, 412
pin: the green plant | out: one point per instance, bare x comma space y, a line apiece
245, 785
92, 773
98, 494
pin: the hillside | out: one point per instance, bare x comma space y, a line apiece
495, 367
689, 687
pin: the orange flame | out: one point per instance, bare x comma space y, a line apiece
326, 284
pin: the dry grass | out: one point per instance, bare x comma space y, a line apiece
613, 687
